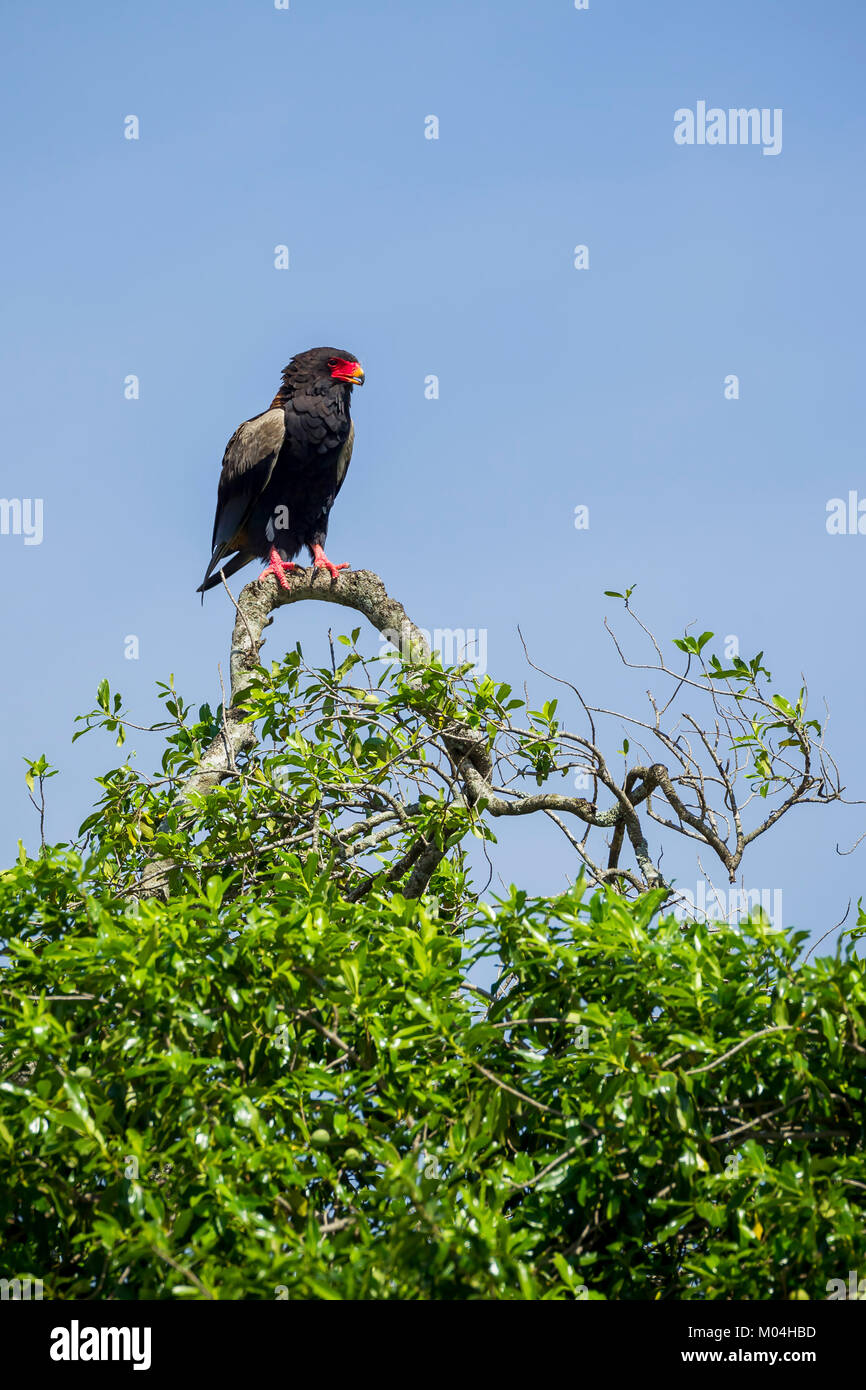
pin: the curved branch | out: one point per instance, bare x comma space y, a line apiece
364, 591
361, 590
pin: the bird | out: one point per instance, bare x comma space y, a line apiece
283, 468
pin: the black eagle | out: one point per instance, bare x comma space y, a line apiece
282, 470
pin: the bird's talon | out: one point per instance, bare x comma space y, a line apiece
279, 569
321, 562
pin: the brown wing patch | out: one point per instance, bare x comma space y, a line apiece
252, 442
248, 463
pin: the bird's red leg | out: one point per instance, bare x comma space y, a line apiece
278, 567
321, 561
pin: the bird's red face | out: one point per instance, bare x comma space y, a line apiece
346, 369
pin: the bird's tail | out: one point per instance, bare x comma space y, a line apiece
237, 562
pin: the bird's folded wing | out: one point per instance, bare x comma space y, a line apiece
345, 458
248, 463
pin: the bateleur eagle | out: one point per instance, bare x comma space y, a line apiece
282, 470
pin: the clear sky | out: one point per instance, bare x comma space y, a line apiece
559, 387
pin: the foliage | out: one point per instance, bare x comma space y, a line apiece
287, 1079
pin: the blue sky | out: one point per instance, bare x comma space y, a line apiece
558, 387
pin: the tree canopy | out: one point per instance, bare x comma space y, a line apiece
264, 1036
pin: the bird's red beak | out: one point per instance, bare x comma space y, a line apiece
352, 372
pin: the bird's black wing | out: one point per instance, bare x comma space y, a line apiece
345, 458
248, 463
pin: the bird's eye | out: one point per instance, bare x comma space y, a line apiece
333, 361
